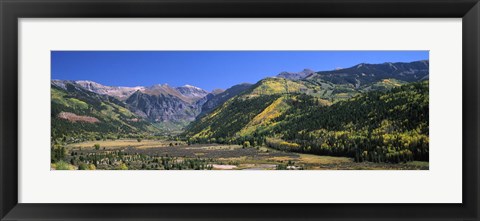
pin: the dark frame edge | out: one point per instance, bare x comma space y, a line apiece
9, 111
3, 209
471, 95
11, 210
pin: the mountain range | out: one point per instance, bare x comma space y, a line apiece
82, 109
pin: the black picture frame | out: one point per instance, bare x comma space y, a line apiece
12, 10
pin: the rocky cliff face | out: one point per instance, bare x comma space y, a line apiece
162, 107
162, 103
192, 93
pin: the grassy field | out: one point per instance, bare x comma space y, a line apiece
115, 144
177, 155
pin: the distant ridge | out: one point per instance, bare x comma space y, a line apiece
168, 107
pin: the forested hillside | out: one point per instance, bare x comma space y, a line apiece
377, 126
78, 115
369, 112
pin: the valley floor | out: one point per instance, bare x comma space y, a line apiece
177, 155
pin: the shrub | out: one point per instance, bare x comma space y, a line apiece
62, 165
122, 167
84, 166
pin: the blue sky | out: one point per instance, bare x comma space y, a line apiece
206, 69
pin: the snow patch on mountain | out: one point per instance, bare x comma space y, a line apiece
121, 93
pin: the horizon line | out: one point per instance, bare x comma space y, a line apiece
188, 84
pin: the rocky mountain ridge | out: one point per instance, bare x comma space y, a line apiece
162, 104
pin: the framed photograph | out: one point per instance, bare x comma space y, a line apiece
239, 110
